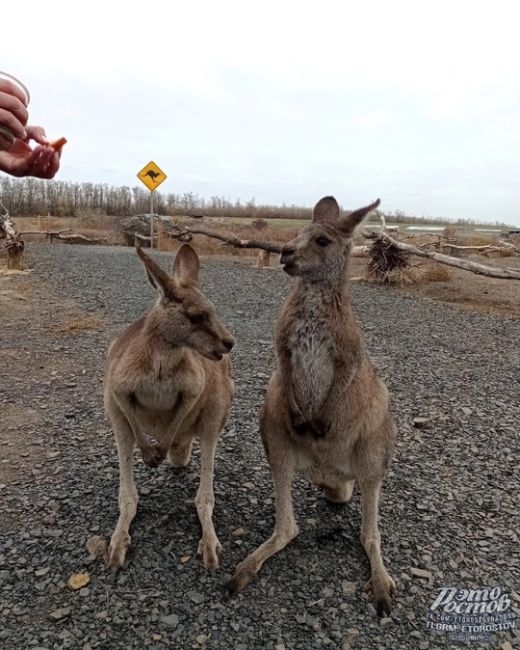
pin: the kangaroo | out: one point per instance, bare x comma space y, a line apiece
326, 413
152, 174
167, 376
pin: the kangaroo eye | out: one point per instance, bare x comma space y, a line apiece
197, 319
322, 241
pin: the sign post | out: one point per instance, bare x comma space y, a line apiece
152, 219
152, 176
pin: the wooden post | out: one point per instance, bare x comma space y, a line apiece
264, 258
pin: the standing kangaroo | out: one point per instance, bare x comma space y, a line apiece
326, 414
166, 376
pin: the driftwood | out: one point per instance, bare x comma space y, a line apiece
500, 247
66, 235
185, 234
386, 244
466, 265
14, 243
76, 238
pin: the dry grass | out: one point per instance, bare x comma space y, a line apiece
432, 272
420, 273
78, 323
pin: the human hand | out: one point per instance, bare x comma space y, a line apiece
22, 160
13, 113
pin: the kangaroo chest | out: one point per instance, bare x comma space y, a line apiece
165, 387
311, 360
159, 394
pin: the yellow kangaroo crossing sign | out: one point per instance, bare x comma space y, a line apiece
151, 175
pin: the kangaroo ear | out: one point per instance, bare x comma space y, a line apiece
186, 265
326, 210
348, 224
157, 276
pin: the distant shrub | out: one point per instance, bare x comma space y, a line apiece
259, 224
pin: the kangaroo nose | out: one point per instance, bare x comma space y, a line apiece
287, 252
228, 344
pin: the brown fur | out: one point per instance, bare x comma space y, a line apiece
167, 381
326, 414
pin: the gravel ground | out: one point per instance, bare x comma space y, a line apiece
449, 506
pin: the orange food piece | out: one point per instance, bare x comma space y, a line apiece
58, 144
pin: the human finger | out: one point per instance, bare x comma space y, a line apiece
12, 123
42, 162
10, 88
52, 166
14, 105
37, 133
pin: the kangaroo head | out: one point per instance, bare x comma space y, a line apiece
182, 315
320, 251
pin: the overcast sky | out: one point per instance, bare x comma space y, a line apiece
417, 103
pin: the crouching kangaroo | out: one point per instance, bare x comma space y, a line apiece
167, 377
326, 413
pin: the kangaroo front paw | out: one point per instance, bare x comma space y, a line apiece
339, 494
210, 548
153, 455
180, 455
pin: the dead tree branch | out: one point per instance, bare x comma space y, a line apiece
500, 247
185, 234
466, 265
76, 238
66, 235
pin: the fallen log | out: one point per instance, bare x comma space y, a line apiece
66, 235
466, 265
185, 234
76, 238
501, 247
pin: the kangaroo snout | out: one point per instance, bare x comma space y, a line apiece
228, 343
287, 254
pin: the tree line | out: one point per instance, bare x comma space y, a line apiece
32, 197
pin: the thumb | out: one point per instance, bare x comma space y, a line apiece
37, 133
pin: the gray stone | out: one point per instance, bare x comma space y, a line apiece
172, 620
196, 597
59, 614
